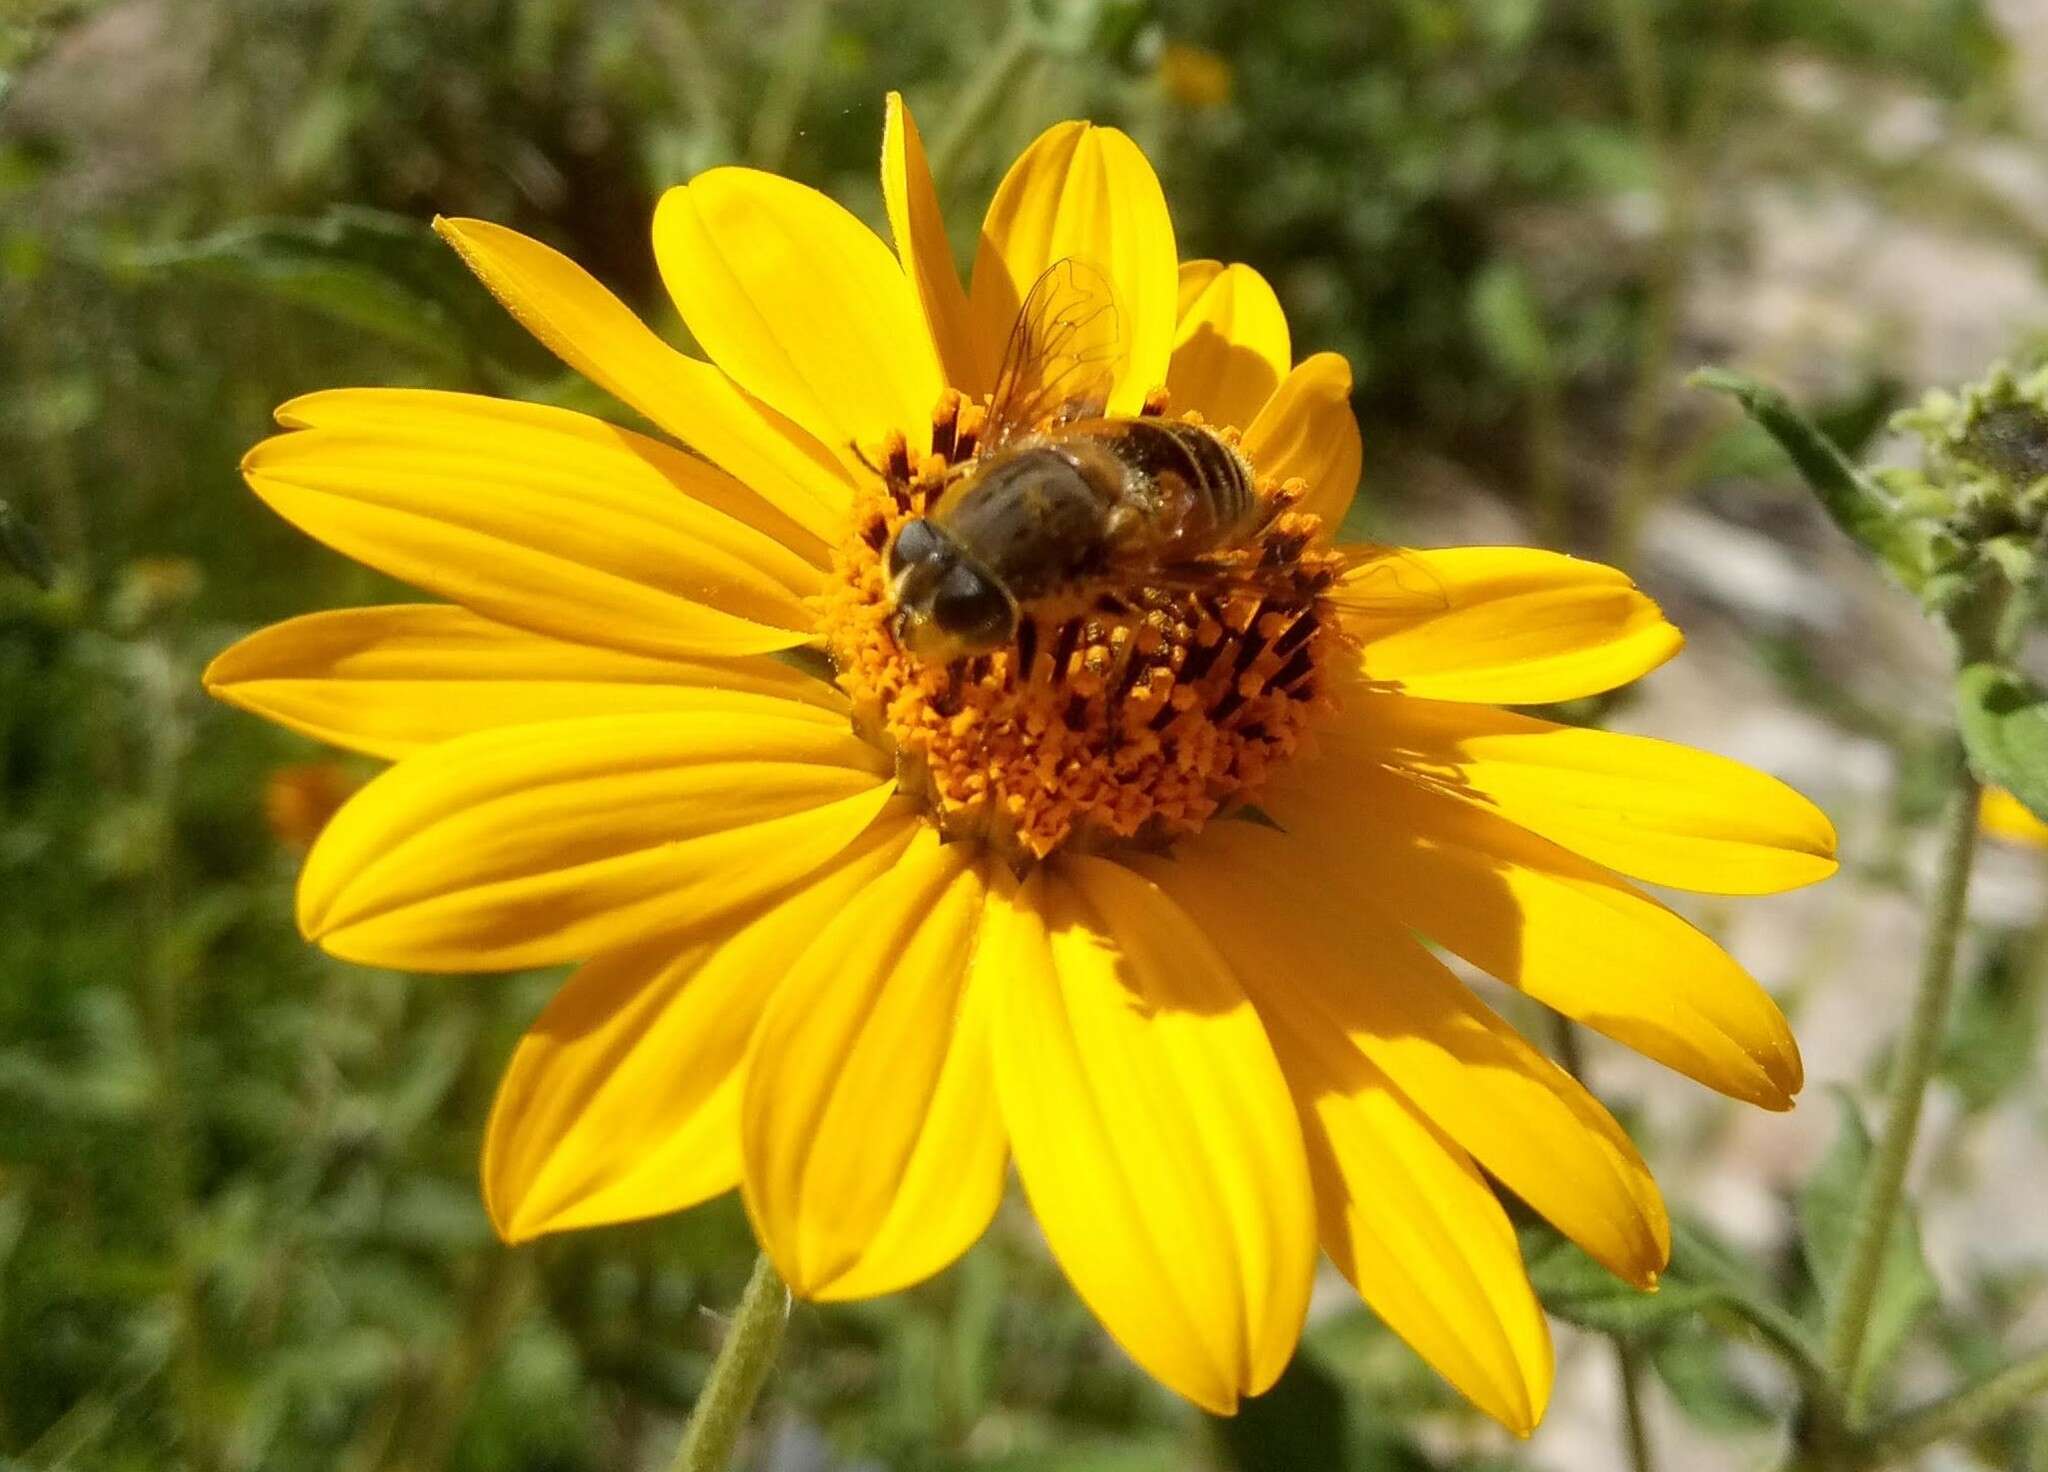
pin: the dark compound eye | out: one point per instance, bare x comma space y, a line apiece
917, 541
970, 608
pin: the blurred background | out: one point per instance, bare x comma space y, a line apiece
239, 1224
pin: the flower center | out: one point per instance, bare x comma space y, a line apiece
1128, 709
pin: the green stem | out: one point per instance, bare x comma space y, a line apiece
1628, 1368
1679, 158
1635, 42
969, 115
698, 84
1549, 493
1786, 1338
1965, 1410
492, 1311
1919, 1051
1640, 1457
163, 985
743, 1363
781, 107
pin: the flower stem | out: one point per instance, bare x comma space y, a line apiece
1638, 481
1634, 1419
1919, 1050
1785, 1337
1628, 1366
781, 106
743, 1363
1965, 1410
976, 103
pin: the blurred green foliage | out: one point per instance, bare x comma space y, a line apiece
238, 1220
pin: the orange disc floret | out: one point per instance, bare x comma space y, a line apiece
1128, 714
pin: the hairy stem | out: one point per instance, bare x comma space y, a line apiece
1919, 1051
1785, 1337
1965, 1410
1641, 1458
737, 1375
1628, 1367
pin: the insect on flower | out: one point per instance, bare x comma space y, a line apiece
1107, 848
1060, 503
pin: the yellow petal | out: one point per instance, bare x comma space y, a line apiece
1083, 192
874, 1148
1413, 1225
1336, 967
1404, 1213
1231, 349
1307, 429
1152, 1128
1195, 277
456, 420
547, 520
597, 334
2005, 816
531, 845
1655, 810
623, 1099
390, 680
802, 305
1505, 626
1566, 931
921, 245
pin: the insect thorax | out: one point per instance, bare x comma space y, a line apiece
1038, 518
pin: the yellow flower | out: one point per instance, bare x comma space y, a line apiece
854, 948
2004, 816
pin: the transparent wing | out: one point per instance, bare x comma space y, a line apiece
1388, 583
1397, 588
1061, 360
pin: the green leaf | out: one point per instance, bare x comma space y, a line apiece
2003, 718
1700, 1257
1307, 1420
1827, 1218
1706, 1282
1580, 1291
372, 270
1695, 1367
1385, 1378
1301, 1422
1997, 1024
1855, 503
1509, 322
23, 550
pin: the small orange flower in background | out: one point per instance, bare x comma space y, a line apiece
1194, 77
855, 946
300, 797
2004, 816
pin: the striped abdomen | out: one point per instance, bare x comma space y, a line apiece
1200, 488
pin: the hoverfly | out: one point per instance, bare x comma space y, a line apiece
1062, 499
